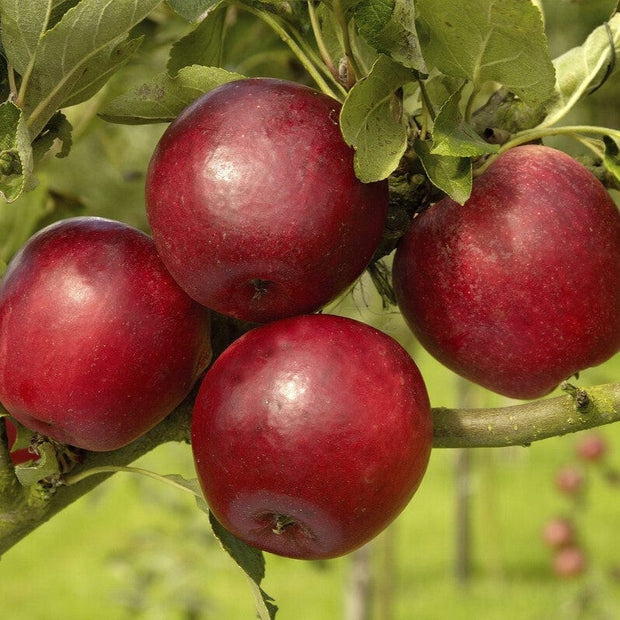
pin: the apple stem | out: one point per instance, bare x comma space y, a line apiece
582, 400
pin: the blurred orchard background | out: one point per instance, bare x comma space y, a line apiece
471, 543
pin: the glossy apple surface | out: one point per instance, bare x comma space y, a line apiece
97, 341
254, 204
518, 289
310, 435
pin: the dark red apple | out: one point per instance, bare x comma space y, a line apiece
97, 341
519, 288
254, 204
310, 435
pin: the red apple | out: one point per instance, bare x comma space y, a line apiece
591, 448
97, 341
310, 435
569, 562
254, 204
559, 532
519, 288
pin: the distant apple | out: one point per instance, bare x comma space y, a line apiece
97, 342
519, 288
569, 562
591, 447
569, 480
254, 204
310, 435
559, 532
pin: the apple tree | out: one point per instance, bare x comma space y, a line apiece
300, 144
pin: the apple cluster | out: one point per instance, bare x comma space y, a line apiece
311, 432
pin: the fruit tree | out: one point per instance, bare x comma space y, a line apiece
425, 146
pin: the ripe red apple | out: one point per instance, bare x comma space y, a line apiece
97, 342
254, 204
559, 532
592, 448
310, 435
519, 288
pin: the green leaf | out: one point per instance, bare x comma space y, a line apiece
23, 436
453, 136
452, 175
163, 98
45, 466
193, 10
19, 221
252, 562
488, 41
611, 158
71, 56
202, 46
23, 24
389, 26
16, 160
582, 69
372, 121
58, 128
101, 67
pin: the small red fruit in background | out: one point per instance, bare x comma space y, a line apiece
254, 205
97, 341
592, 448
519, 288
559, 532
569, 480
310, 435
569, 562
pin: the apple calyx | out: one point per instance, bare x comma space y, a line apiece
282, 523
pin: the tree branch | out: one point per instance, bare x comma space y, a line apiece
529, 422
23, 509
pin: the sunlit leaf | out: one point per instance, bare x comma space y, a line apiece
488, 41
583, 68
23, 24
372, 121
389, 26
452, 135
193, 10
162, 99
202, 46
45, 466
16, 160
72, 55
452, 175
252, 562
